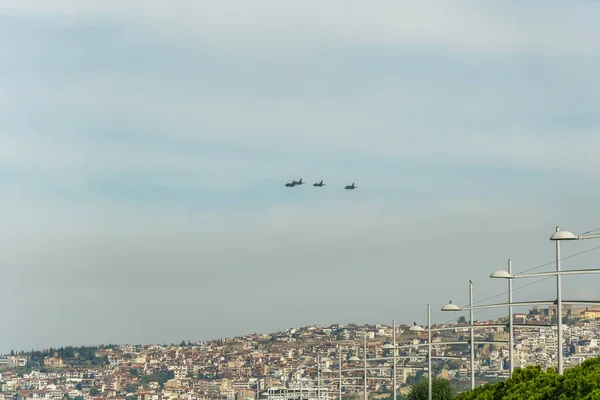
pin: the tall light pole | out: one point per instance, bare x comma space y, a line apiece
319, 374
417, 328
365, 363
394, 358
429, 388
340, 369
472, 322
511, 333
394, 348
557, 237
453, 307
559, 308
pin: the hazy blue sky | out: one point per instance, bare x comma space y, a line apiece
143, 152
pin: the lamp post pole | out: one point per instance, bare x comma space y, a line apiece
429, 374
472, 335
510, 322
365, 363
319, 374
340, 369
559, 308
394, 357
558, 236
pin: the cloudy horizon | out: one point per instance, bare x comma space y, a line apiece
144, 151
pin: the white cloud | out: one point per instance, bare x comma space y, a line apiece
470, 26
424, 121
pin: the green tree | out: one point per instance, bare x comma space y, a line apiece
462, 320
131, 388
94, 391
582, 382
441, 390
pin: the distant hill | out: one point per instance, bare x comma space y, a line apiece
582, 382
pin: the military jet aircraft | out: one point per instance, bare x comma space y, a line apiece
294, 183
351, 187
320, 184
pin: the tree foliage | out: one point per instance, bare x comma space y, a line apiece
582, 382
161, 377
84, 356
440, 388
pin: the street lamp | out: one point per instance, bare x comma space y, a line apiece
340, 369
430, 344
393, 346
508, 274
558, 273
557, 237
454, 307
355, 358
417, 328
365, 363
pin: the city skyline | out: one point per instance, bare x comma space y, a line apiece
144, 151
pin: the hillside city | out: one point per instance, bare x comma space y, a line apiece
246, 367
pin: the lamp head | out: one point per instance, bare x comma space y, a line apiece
416, 328
501, 274
451, 307
563, 235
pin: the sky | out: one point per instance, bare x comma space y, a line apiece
144, 149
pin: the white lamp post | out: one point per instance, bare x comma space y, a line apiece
417, 328
354, 359
365, 363
454, 307
558, 273
340, 370
365, 367
394, 369
557, 237
511, 332
393, 348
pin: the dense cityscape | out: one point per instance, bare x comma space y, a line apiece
307, 357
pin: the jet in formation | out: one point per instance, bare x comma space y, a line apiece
294, 183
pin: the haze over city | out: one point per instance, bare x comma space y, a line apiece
144, 151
